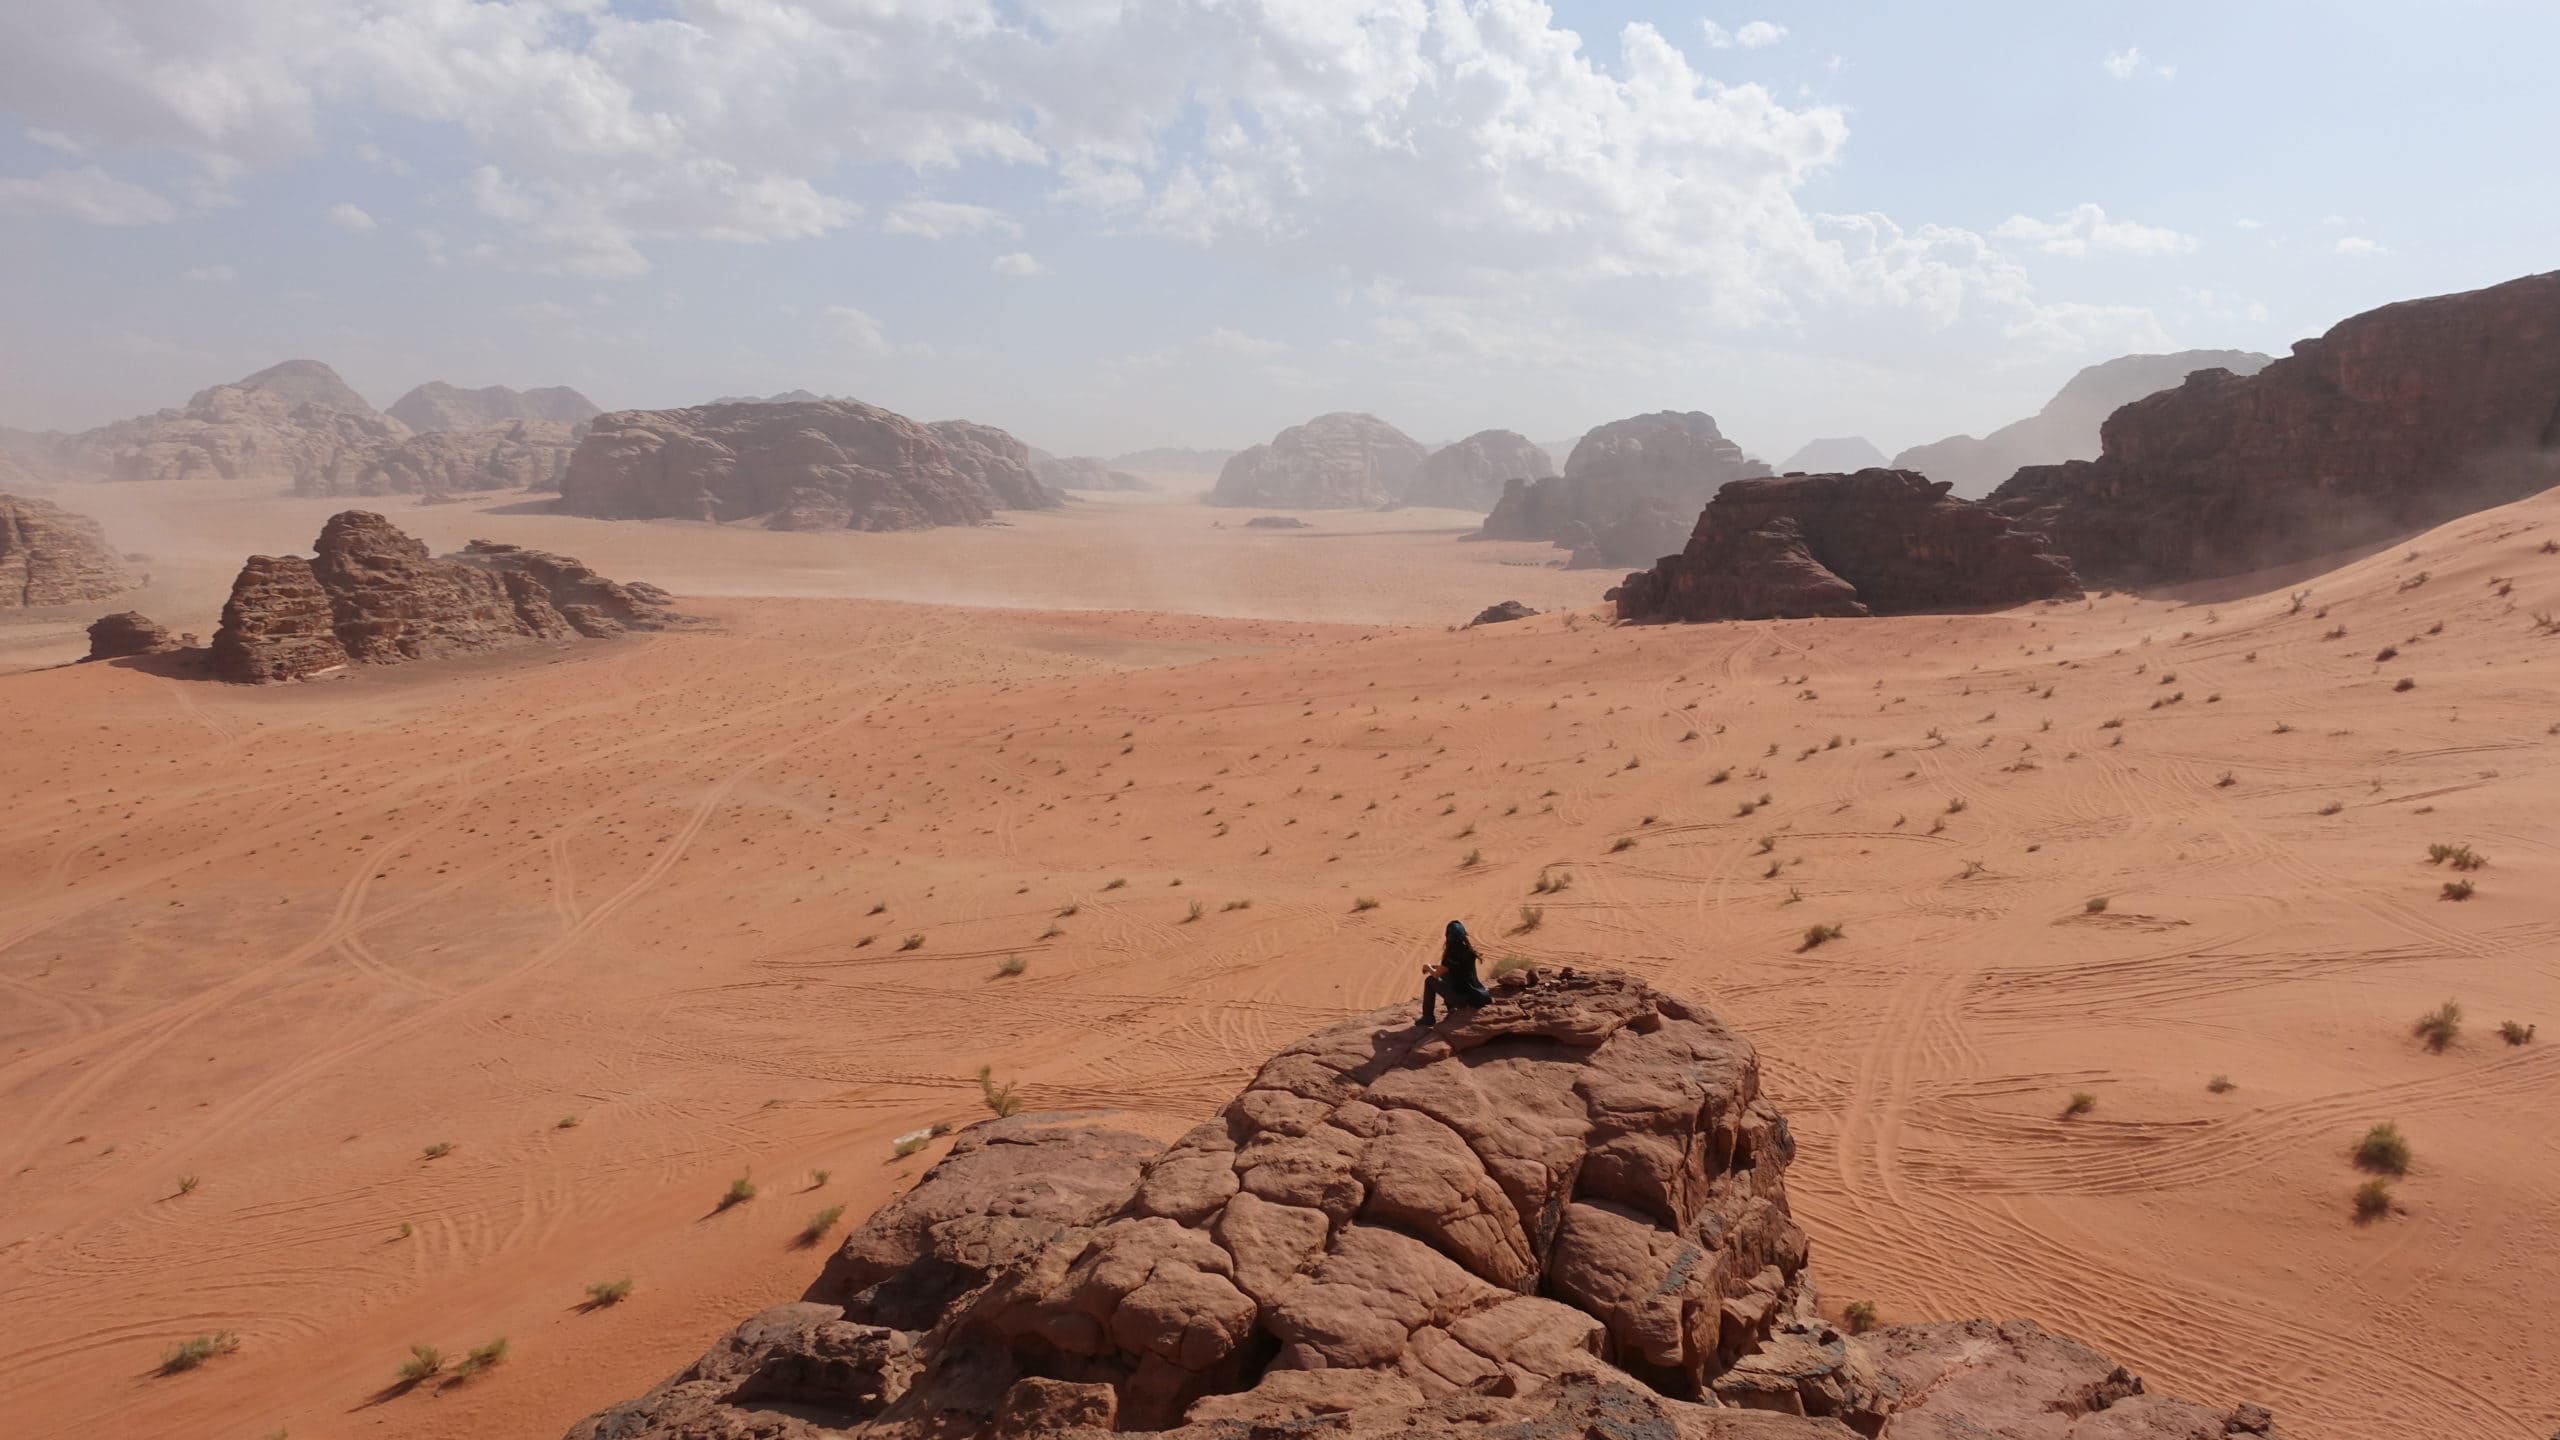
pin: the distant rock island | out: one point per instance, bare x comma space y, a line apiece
1841, 455
1630, 491
1345, 460
2067, 427
1469, 474
51, 556
1874, 542
798, 465
438, 406
2395, 420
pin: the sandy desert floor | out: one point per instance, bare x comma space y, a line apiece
735, 901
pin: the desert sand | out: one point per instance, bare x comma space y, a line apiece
623, 922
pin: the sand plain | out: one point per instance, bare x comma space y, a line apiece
285, 940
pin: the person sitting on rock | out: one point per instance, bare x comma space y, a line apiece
1454, 978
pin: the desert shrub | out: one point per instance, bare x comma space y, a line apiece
2220, 1085
187, 1184
2373, 1200
424, 1362
1859, 1316
2094, 905
438, 1150
1531, 917
1818, 935
740, 1191
2226, 781
193, 1351
1623, 842
2383, 1150
879, 908
999, 1098
1070, 910
1365, 902
484, 1356
820, 1223
1551, 881
2080, 1103
1471, 860
908, 1145
1235, 905
2114, 724
2336, 632
1721, 776
565, 1122
818, 1179
2387, 652
2514, 1033
1013, 965
1195, 912
2460, 857
1768, 843
608, 1292
1956, 806
2404, 683
2333, 807
912, 942
2457, 890
2438, 1026
1116, 884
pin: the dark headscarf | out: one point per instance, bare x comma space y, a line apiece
1457, 948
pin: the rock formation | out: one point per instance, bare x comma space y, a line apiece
373, 595
281, 424
1879, 542
2395, 420
819, 465
307, 382
127, 632
2067, 427
1173, 460
1503, 613
1561, 1215
438, 406
1277, 522
1082, 472
1838, 455
50, 556
1469, 474
517, 455
1339, 461
1629, 492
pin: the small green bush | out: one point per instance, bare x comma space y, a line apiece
1817, 935
2439, 1026
1365, 902
608, 1292
193, 1351
2095, 905
1002, 1099
424, 1362
740, 1191
1859, 1316
484, 1356
2081, 1103
2514, 1033
912, 942
2373, 1200
820, 1223
438, 1150
2383, 1150
1013, 965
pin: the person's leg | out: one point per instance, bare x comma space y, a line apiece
1431, 993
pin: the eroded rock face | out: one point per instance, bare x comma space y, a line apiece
1082, 472
803, 465
2067, 427
995, 460
1504, 613
373, 595
50, 556
2395, 420
437, 406
1971, 1379
1469, 474
516, 455
126, 633
1340, 461
1879, 542
235, 432
1629, 492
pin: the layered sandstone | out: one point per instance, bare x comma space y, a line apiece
373, 595
128, 633
1340, 461
1469, 474
814, 465
1629, 492
516, 455
2067, 427
50, 556
2395, 420
1879, 542
1563, 1214
438, 406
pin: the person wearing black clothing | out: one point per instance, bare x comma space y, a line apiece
1454, 978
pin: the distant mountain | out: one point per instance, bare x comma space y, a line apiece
1840, 455
787, 397
438, 406
307, 382
2067, 427
1173, 460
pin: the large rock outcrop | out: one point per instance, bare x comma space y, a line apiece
1082, 472
1469, 474
373, 595
1833, 455
437, 406
128, 633
1879, 542
516, 455
2067, 427
236, 432
2395, 420
803, 465
1563, 1215
1629, 492
50, 556
1340, 461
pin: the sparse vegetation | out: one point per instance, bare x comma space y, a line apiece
1859, 1316
438, 1150
608, 1292
2383, 1150
566, 1122
2220, 1085
2439, 1026
1234, 905
1365, 902
820, 1223
2460, 857
1531, 917
2373, 1200
1956, 806
912, 942
2333, 807
1818, 935
2080, 1103
2094, 905
1471, 860
187, 1184
2387, 652
1114, 885
818, 1179
425, 1362
740, 1191
486, 1355
1195, 912
2457, 890
1551, 881
193, 1351
1623, 842
2514, 1033
999, 1098
2404, 683
1013, 965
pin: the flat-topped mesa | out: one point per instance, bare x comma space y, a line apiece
1340, 461
374, 595
1469, 475
51, 556
1877, 542
800, 465
2395, 420
1563, 1213
1629, 492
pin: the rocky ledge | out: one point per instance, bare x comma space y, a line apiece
373, 595
1879, 542
1561, 1215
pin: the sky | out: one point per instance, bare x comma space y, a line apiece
1109, 224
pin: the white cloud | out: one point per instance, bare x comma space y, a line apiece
1019, 265
2359, 248
213, 274
1230, 341
852, 329
2086, 230
943, 219
1753, 35
2245, 223
2123, 64
56, 140
88, 194
352, 218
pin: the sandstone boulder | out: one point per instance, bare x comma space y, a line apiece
1629, 492
1503, 613
515, 455
127, 633
1469, 474
2011, 1380
1879, 542
373, 595
437, 406
2066, 428
50, 556
804, 465
1339, 461
2395, 420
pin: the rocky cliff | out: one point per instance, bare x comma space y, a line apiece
1334, 462
1469, 474
1562, 1215
50, 556
1879, 542
438, 406
810, 465
236, 432
2395, 420
2067, 427
1629, 492
518, 455
373, 595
